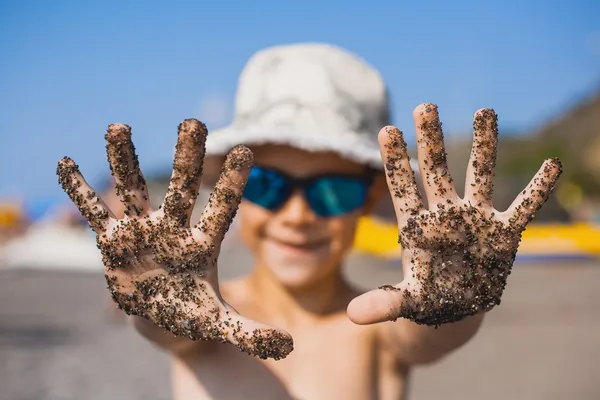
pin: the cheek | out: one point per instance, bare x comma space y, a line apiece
342, 231
253, 220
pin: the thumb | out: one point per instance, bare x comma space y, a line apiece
203, 315
382, 304
252, 337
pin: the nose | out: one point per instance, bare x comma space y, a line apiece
296, 211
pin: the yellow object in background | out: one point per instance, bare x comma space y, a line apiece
569, 195
545, 241
10, 215
376, 237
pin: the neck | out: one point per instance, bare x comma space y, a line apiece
328, 295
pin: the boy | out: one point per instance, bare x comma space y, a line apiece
309, 113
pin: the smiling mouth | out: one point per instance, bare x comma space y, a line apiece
301, 246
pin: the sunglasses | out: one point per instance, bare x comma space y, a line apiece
327, 195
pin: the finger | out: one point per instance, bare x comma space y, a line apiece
194, 309
480, 171
378, 305
83, 196
223, 324
124, 165
399, 174
253, 337
187, 171
530, 200
227, 194
249, 336
431, 153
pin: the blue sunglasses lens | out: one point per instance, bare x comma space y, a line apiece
327, 196
331, 196
266, 188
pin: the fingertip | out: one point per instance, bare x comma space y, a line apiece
355, 312
552, 170
388, 133
375, 306
271, 343
487, 113
239, 157
425, 111
192, 126
118, 132
485, 123
241, 149
263, 342
555, 164
65, 168
66, 162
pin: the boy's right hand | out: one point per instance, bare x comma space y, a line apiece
156, 265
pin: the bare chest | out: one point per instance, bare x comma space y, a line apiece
334, 360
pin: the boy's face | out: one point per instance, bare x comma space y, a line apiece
293, 243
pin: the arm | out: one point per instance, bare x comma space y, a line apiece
418, 344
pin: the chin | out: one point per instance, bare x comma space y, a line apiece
298, 268
296, 273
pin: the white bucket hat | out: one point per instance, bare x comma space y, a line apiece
316, 97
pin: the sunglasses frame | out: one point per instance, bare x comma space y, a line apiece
368, 177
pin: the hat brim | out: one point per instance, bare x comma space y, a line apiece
357, 149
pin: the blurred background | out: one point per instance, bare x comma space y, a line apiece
68, 69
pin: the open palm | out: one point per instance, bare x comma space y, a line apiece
457, 253
156, 265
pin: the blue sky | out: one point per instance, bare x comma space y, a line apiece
69, 68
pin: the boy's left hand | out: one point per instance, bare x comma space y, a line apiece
458, 253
